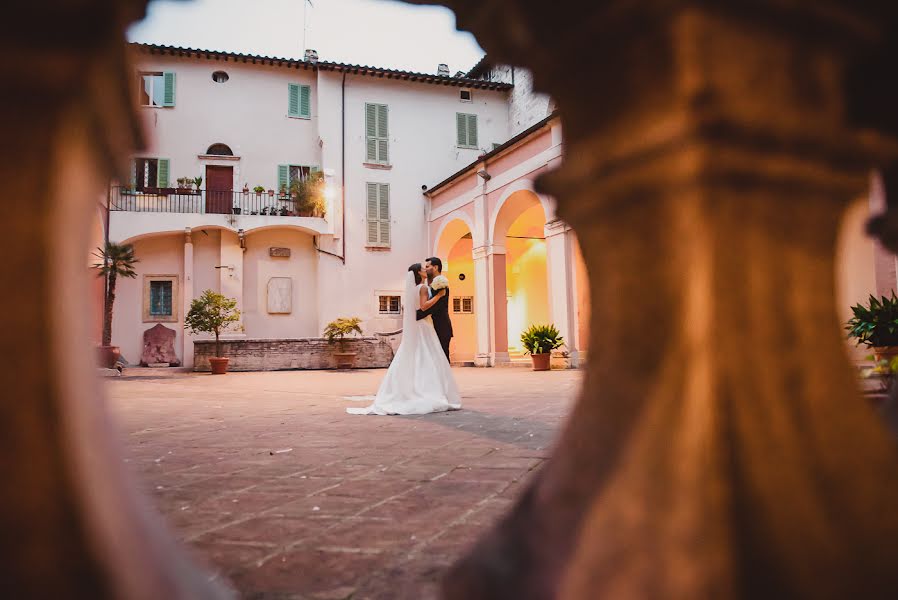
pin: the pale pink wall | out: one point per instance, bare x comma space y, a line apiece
459, 187
582, 278
464, 344
163, 255
206, 256
519, 154
259, 267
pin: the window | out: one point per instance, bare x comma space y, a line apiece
378, 215
299, 101
287, 174
467, 130
466, 96
377, 134
220, 150
156, 89
389, 305
149, 173
160, 296
463, 305
220, 77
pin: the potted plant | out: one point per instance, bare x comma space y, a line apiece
213, 313
876, 325
259, 190
539, 341
336, 331
183, 183
118, 260
198, 182
308, 195
271, 192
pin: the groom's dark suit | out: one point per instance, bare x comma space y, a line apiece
439, 312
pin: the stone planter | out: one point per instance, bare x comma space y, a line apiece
541, 361
108, 356
219, 365
253, 354
345, 360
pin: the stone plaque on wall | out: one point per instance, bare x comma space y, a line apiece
279, 252
280, 295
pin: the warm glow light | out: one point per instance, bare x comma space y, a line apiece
329, 192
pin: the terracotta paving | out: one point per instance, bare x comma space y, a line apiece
284, 495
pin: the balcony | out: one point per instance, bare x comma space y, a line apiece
165, 210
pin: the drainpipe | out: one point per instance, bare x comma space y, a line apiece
342, 174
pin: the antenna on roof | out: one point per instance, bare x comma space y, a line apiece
304, 23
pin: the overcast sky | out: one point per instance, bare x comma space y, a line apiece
379, 33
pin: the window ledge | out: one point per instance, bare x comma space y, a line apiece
309, 118
468, 147
376, 248
382, 166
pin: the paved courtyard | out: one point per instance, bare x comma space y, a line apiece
284, 495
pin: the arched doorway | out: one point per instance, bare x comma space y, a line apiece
455, 246
520, 228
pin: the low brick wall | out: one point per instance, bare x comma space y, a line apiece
284, 354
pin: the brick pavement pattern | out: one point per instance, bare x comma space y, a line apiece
284, 495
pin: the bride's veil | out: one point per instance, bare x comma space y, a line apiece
409, 302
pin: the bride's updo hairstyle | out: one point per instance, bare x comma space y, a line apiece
416, 269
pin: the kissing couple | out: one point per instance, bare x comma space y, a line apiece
419, 380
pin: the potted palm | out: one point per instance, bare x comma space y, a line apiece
118, 260
876, 325
213, 313
308, 195
539, 341
198, 182
336, 332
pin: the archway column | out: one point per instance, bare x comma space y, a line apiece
560, 240
490, 306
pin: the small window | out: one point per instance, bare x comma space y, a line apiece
149, 173
220, 150
389, 305
466, 128
299, 101
466, 96
156, 89
160, 297
220, 77
463, 305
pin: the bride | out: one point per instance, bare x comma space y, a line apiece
419, 380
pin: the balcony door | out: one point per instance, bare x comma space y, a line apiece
219, 189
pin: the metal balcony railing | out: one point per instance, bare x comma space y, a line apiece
179, 200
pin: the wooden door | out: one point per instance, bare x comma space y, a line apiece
219, 189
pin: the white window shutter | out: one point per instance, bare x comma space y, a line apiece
472, 130
384, 216
461, 124
372, 214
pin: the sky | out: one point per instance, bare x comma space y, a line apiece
381, 33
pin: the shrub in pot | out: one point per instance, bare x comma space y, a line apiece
213, 313
118, 260
876, 325
336, 332
539, 341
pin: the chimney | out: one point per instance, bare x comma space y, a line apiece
443, 70
311, 56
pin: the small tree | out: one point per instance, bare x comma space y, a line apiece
118, 260
212, 313
309, 194
337, 330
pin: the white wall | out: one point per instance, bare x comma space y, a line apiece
248, 113
258, 267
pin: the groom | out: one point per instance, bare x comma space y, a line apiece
439, 312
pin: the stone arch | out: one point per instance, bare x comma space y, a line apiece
500, 215
448, 224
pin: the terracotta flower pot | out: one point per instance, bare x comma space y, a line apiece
541, 361
885, 352
108, 356
345, 360
219, 365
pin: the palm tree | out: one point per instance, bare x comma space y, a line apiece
118, 261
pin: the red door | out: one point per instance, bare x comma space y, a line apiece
219, 188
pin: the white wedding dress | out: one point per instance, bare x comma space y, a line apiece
419, 380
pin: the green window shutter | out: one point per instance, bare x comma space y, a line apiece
383, 134
461, 125
371, 132
372, 214
384, 213
283, 176
472, 130
305, 101
168, 98
162, 171
292, 100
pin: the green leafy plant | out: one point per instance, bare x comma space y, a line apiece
198, 181
259, 189
212, 313
338, 329
118, 260
309, 194
541, 339
875, 324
